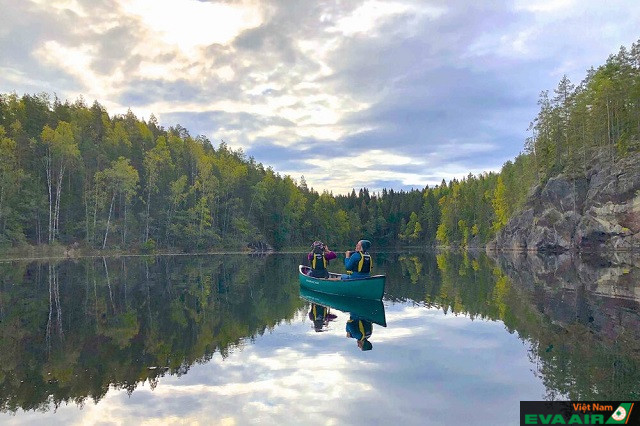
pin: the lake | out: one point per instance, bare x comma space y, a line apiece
227, 339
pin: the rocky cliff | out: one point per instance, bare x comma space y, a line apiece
600, 211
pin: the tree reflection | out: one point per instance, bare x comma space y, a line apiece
69, 331
54, 305
580, 319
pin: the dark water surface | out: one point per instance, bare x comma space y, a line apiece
227, 339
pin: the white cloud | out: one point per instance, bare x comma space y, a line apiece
545, 6
366, 17
76, 62
368, 160
370, 15
225, 73
190, 24
323, 72
341, 174
61, 6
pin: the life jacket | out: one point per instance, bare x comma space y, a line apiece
359, 329
318, 312
319, 263
364, 265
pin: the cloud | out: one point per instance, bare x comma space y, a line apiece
451, 86
190, 24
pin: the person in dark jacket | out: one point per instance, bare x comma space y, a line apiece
319, 258
320, 316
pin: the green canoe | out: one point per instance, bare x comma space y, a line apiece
364, 288
367, 309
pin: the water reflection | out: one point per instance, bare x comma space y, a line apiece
71, 330
362, 314
76, 331
584, 325
360, 329
320, 316
371, 310
579, 316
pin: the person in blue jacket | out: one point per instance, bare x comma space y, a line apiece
360, 329
358, 262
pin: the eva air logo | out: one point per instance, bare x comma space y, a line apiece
621, 414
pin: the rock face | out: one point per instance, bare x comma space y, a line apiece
600, 211
259, 247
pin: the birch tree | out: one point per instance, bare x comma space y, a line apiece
61, 153
119, 179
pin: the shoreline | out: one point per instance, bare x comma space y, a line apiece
59, 252
32, 253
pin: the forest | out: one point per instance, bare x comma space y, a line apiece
71, 174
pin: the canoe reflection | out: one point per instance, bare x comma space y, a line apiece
363, 314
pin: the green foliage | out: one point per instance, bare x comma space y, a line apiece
413, 229
120, 178
70, 172
149, 246
11, 180
500, 206
601, 114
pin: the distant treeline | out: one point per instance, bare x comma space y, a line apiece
71, 173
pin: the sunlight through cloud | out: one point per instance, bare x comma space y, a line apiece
190, 23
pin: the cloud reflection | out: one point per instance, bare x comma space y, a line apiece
425, 365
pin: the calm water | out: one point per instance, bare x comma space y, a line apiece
228, 340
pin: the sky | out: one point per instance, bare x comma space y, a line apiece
349, 94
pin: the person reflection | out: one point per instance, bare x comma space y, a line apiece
320, 316
360, 329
